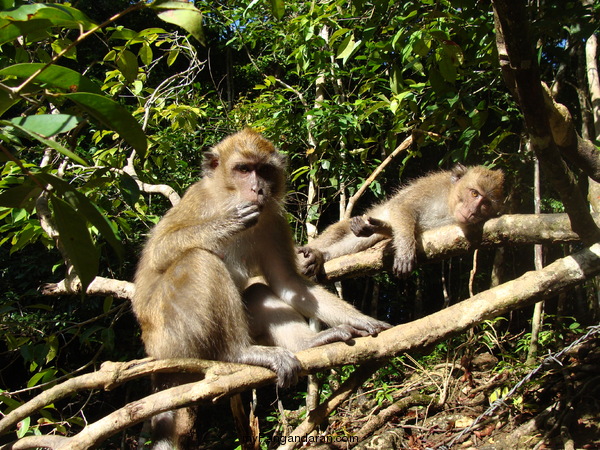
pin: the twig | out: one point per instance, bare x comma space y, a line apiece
403, 146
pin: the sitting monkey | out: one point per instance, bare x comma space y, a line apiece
194, 295
466, 196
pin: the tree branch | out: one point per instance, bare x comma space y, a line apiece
444, 242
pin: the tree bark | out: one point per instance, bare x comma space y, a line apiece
520, 71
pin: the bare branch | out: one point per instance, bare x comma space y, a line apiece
444, 242
403, 146
99, 286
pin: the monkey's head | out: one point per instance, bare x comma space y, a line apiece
477, 194
247, 167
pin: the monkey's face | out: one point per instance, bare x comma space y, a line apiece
473, 208
479, 196
255, 182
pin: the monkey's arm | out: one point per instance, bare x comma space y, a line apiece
177, 234
403, 222
337, 240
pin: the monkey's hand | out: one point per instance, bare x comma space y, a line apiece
405, 256
366, 326
365, 226
245, 215
278, 359
310, 261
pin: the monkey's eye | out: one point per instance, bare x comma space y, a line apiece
474, 193
243, 168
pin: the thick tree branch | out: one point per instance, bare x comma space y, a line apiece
520, 70
226, 380
444, 242
433, 245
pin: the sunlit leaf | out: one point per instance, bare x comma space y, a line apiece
278, 8
55, 76
183, 14
47, 125
128, 65
61, 44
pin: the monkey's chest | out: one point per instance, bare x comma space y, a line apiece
240, 258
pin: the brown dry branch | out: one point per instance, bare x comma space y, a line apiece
433, 245
217, 383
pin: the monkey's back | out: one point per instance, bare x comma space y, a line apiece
425, 199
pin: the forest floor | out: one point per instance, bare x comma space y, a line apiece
452, 406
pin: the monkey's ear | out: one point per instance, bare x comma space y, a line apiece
210, 162
458, 172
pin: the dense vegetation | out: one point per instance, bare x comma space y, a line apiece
98, 98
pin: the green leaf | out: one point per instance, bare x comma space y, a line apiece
47, 125
60, 44
113, 116
48, 142
87, 208
278, 8
76, 241
9, 31
55, 76
182, 14
56, 14
128, 65
23, 427
129, 189
20, 196
145, 54
347, 48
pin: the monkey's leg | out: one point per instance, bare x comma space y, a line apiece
274, 322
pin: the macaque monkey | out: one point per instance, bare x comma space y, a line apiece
193, 295
466, 196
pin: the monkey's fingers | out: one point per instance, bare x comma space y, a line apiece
404, 263
311, 261
369, 326
248, 214
361, 227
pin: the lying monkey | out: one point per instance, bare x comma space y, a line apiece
466, 196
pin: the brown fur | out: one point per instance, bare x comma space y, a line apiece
464, 196
192, 281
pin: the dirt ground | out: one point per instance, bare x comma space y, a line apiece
555, 407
